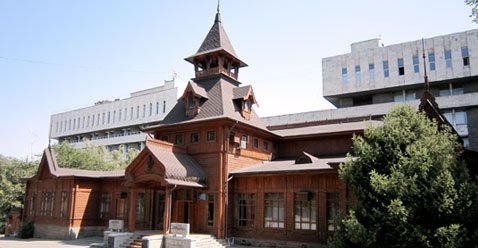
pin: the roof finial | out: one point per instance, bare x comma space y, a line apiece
427, 85
218, 14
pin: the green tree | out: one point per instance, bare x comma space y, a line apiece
12, 188
474, 9
411, 187
92, 157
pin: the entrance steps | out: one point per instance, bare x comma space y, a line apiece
208, 241
136, 239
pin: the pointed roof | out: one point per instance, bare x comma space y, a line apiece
216, 40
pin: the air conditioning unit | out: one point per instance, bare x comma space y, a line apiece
242, 145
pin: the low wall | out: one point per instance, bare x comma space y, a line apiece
65, 232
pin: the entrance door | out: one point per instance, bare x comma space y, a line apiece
158, 206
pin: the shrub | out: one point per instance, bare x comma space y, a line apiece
27, 230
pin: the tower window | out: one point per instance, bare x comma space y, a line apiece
371, 71
416, 65
345, 76
386, 72
358, 76
448, 58
401, 68
431, 60
465, 56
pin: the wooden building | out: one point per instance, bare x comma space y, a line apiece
212, 163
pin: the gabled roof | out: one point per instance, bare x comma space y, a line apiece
220, 104
326, 129
290, 166
243, 93
177, 167
196, 89
48, 162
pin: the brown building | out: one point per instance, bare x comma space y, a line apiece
212, 163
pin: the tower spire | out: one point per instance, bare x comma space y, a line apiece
218, 13
427, 84
427, 95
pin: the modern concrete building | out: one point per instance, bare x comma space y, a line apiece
372, 78
118, 122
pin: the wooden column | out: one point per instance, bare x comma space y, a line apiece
167, 210
132, 210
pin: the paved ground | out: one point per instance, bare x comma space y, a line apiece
45, 243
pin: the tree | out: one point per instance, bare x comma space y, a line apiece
12, 189
92, 157
411, 187
474, 9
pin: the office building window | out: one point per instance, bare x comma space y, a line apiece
74, 124
274, 210
83, 122
459, 121
416, 64
345, 76
210, 210
157, 107
245, 210
164, 106
404, 95
78, 126
103, 121
144, 110
125, 113
179, 139
64, 204
431, 60
386, 72
401, 67
358, 75
371, 71
194, 138
119, 114
61, 125
465, 56
211, 136
56, 130
109, 115
305, 211
448, 59
88, 122
131, 114
150, 109
114, 116
137, 112
93, 120
332, 210
451, 90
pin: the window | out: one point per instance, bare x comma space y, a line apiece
194, 138
164, 106
431, 60
139, 207
450, 90
266, 146
245, 210
405, 95
211, 136
305, 211
332, 210
371, 71
125, 113
121, 207
416, 65
255, 143
401, 67
465, 56
47, 204
192, 101
157, 107
210, 210
105, 206
274, 210
131, 114
109, 115
114, 116
144, 110
32, 204
150, 109
61, 125
98, 120
345, 76
103, 120
358, 76
74, 123
64, 204
179, 139
137, 112
466, 142
448, 58
386, 72
119, 115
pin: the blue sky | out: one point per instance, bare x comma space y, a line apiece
60, 55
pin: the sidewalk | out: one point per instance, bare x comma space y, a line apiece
46, 243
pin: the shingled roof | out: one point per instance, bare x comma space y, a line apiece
221, 93
216, 39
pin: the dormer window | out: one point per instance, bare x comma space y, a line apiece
193, 97
192, 101
247, 105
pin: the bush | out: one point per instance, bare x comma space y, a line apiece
27, 230
2, 227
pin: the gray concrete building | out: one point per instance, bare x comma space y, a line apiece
117, 122
373, 78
